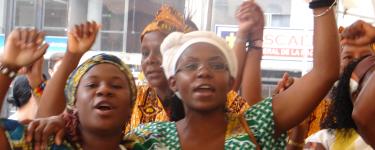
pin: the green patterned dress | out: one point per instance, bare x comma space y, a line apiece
163, 135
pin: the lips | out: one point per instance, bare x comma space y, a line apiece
104, 107
154, 73
204, 90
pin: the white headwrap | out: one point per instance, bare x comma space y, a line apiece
176, 43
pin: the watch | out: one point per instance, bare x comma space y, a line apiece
257, 44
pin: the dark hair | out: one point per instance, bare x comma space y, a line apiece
54, 59
340, 110
20, 93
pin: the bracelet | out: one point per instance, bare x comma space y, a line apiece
256, 44
7, 71
291, 142
38, 91
327, 10
321, 3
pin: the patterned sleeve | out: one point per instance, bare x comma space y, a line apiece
155, 135
260, 120
15, 132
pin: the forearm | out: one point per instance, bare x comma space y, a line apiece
306, 94
53, 102
251, 81
4, 86
326, 45
240, 51
364, 111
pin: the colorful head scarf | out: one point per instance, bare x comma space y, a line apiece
176, 43
167, 20
77, 74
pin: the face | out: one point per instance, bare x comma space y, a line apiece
350, 53
103, 99
202, 79
152, 59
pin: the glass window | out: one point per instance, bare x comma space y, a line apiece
24, 13
140, 13
2, 23
55, 17
277, 14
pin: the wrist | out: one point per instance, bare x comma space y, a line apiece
321, 3
34, 83
38, 91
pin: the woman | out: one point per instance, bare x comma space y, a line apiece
95, 101
201, 69
25, 92
339, 129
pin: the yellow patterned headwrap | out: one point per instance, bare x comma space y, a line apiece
79, 72
167, 20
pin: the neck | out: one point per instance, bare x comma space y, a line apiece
163, 92
28, 111
94, 141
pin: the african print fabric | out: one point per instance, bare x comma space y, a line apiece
149, 108
259, 118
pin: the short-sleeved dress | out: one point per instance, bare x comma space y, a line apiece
259, 118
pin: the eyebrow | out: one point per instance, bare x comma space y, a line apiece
112, 78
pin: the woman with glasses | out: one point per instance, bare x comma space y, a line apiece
201, 69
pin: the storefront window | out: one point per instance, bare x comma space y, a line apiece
277, 14
55, 17
24, 13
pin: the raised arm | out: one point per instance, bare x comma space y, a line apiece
251, 24
362, 33
294, 104
80, 40
22, 48
364, 111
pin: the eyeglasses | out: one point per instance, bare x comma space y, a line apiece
194, 66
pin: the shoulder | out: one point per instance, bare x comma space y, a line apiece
154, 128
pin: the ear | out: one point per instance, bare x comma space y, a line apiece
172, 83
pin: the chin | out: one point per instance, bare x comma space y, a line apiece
155, 82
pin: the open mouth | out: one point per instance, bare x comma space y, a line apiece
204, 88
102, 106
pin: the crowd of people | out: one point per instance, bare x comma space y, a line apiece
191, 100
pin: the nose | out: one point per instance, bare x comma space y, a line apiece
204, 71
104, 90
153, 60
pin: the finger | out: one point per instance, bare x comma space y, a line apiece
77, 31
86, 28
23, 70
32, 35
30, 130
24, 35
59, 136
47, 132
38, 133
81, 28
40, 38
41, 51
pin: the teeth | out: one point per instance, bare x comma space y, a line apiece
205, 87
